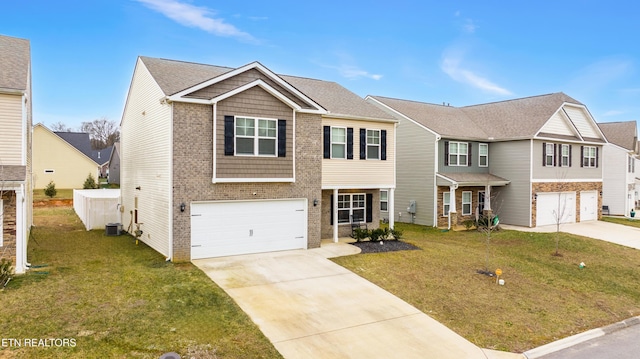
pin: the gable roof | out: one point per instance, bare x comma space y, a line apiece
504, 120
177, 77
623, 134
14, 64
82, 142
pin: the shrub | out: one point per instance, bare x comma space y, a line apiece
90, 183
396, 233
5, 272
50, 191
468, 224
359, 234
376, 234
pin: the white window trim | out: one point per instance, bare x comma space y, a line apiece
470, 203
480, 155
256, 137
562, 156
549, 154
458, 154
339, 143
351, 208
586, 155
381, 201
379, 145
446, 206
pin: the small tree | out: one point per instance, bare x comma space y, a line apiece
90, 182
50, 191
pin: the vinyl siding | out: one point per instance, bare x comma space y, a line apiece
474, 168
580, 119
511, 160
146, 160
357, 173
558, 124
615, 180
11, 136
70, 166
575, 172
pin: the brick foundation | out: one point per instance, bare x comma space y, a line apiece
8, 213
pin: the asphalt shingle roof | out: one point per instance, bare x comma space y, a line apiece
14, 63
623, 134
82, 142
174, 76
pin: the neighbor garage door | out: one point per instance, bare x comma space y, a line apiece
588, 206
553, 206
242, 227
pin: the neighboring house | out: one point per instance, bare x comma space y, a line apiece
16, 201
56, 158
82, 141
619, 170
114, 164
220, 161
533, 161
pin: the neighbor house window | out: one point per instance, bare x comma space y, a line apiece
466, 202
373, 144
458, 152
351, 206
49, 171
446, 207
549, 154
589, 156
257, 143
566, 154
384, 200
483, 155
338, 142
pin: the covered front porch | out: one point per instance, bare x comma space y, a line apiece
465, 196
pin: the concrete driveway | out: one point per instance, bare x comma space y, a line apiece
310, 307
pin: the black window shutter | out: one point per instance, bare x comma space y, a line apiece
349, 143
446, 153
363, 144
383, 145
331, 215
597, 148
282, 138
559, 156
469, 154
555, 150
228, 135
369, 204
327, 142
570, 156
581, 156
544, 153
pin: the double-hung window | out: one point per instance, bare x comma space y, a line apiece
338, 142
373, 144
565, 154
256, 137
384, 200
549, 154
458, 152
466, 202
351, 206
446, 207
632, 165
589, 156
483, 153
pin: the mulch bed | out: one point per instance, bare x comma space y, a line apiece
384, 246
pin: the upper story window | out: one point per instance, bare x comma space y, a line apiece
632, 164
373, 144
457, 153
549, 154
483, 155
260, 141
565, 153
589, 156
338, 142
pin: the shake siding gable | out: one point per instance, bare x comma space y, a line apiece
11, 136
146, 143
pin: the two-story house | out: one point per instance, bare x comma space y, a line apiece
15, 150
619, 173
533, 161
220, 161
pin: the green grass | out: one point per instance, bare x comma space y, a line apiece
545, 297
633, 222
117, 299
63, 193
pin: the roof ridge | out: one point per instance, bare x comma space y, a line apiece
414, 101
516, 99
188, 62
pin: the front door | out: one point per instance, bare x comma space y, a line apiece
480, 202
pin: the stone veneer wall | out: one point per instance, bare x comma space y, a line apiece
565, 187
8, 212
344, 230
443, 221
193, 171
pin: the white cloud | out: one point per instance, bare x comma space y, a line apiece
352, 72
451, 65
197, 17
613, 113
469, 26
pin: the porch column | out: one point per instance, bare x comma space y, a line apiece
335, 215
390, 205
487, 198
452, 198
21, 213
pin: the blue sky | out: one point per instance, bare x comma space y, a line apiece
458, 52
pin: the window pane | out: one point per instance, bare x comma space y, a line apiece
344, 201
384, 206
358, 200
343, 216
466, 196
453, 159
266, 128
565, 150
373, 152
244, 146
266, 146
244, 126
384, 195
453, 147
358, 215
484, 149
466, 208
483, 161
338, 135
338, 151
462, 160
462, 149
373, 137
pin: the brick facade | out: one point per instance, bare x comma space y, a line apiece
344, 230
458, 218
565, 187
8, 213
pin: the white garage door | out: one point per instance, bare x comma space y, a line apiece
588, 206
553, 206
243, 227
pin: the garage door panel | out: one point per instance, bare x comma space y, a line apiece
242, 227
551, 206
588, 206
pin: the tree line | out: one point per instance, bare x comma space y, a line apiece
102, 131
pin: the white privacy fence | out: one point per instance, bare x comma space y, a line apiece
97, 207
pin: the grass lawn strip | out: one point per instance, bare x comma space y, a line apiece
545, 297
118, 300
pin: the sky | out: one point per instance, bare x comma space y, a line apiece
462, 52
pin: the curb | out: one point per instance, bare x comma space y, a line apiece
580, 338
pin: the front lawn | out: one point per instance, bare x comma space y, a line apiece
544, 297
633, 222
115, 299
